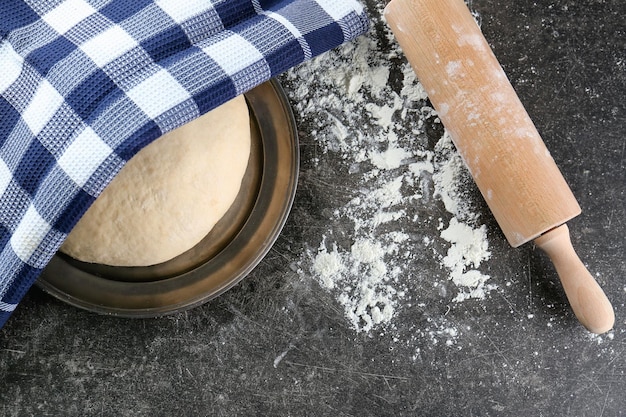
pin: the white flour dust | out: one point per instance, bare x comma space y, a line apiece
377, 126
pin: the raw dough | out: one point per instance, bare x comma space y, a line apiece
169, 195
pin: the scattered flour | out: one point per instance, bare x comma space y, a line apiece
468, 248
390, 159
378, 127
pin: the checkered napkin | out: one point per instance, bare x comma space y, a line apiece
85, 84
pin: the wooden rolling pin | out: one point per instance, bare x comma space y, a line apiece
497, 140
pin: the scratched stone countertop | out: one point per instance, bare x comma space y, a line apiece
280, 344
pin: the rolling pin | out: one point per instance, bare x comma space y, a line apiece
497, 140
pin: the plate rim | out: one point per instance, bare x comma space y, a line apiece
269, 92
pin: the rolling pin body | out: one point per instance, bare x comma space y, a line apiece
488, 124
496, 138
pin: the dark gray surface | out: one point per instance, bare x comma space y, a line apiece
279, 344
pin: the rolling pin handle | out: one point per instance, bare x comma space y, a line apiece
588, 301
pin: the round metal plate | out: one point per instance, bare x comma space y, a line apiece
226, 255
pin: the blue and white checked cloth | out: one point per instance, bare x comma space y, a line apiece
85, 84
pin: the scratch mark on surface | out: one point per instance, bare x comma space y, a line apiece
382, 398
593, 382
606, 399
499, 352
363, 374
509, 303
610, 218
280, 357
20, 352
530, 281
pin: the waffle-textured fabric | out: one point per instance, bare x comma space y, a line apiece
85, 84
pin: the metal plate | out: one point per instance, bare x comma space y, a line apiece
226, 255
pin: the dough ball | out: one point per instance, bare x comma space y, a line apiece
169, 196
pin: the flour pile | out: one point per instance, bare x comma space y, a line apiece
361, 115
